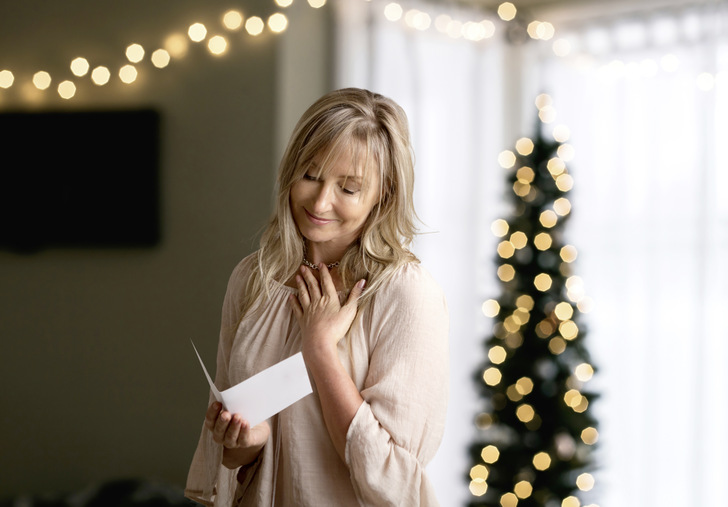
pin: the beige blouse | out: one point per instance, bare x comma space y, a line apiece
397, 355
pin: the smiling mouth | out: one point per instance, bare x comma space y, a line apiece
316, 220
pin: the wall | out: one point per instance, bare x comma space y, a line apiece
98, 377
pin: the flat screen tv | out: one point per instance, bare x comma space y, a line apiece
86, 179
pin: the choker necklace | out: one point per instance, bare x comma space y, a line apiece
314, 266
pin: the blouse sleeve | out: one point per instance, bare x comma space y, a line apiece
208, 481
400, 424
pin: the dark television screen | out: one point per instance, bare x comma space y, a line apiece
79, 179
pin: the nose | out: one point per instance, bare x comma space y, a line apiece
322, 199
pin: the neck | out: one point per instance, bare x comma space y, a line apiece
314, 255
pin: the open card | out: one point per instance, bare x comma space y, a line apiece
265, 394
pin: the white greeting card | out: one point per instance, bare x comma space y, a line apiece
265, 394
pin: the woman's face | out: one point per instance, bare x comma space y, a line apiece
330, 209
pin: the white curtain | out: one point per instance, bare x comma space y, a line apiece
646, 100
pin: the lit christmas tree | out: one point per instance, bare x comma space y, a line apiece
536, 434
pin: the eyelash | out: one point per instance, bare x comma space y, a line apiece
308, 177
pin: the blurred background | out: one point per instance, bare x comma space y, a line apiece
99, 379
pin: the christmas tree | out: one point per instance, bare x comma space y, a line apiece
536, 434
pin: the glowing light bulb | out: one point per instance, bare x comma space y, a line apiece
524, 386
284, 3
393, 11
507, 11
543, 100
254, 26
135, 53
556, 166
277, 22
542, 282
566, 152
491, 308
584, 372
79, 67
548, 218
542, 461
100, 75
506, 159
589, 436
524, 146
128, 74
519, 239
525, 413
492, 376
525, 301
197, 32
176, 45
316, 4
490, 454
506, 249
66, 89
564, 182
488, 27
568, 329
523, 489
479, 472
42, 80
564, 311
557, 345
478, 488
506, 272
570, 501
525, 174
542, 241
568, 253
217, 45
585, 482
232, 20
160, 58
509, 500
499, 227
561, 133
562, 206
6, 79
497, 354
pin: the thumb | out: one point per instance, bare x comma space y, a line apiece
356, 292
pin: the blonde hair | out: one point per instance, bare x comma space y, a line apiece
374, 130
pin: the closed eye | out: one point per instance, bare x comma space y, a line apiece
309, 177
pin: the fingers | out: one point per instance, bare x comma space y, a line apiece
230, 438
211, 415
304, 299
314, 289
327, 283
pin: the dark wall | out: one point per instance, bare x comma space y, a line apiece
98, 377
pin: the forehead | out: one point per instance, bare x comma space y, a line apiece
349, 160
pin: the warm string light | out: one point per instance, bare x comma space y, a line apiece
175, 46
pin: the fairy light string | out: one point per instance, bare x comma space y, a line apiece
448, 21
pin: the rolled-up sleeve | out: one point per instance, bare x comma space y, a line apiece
398, 428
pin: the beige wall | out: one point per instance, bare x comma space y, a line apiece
99, 379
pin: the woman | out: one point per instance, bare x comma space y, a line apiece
377, 356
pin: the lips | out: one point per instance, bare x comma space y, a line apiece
316, 220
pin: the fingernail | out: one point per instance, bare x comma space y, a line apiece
362, 283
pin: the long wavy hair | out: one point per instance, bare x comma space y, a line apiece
373, 129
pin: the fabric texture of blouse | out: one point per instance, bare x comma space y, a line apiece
396, 352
